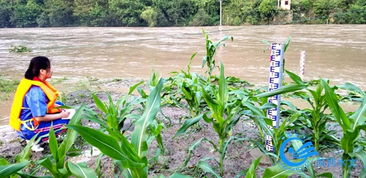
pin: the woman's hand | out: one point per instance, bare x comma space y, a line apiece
64, 114
51, 117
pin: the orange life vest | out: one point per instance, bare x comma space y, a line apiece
23, 87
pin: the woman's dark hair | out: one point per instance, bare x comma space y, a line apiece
36, 64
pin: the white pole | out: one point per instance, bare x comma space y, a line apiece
275, 82
302, 64
220, 13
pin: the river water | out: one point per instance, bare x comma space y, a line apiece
336, 52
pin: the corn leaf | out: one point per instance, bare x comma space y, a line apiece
99, 104
219, 43
132, 88
294, 77
11, 169
223, 91
81, 171
207, 168
70, 137
277, 172
253, 167
359, 117
46, 162
98, 166
361, 155
25, 175
287, 44
256, 111
188, 123
177, 175
53, 143
193, 147
337, 111
325, 174
3, 162
106, 144
284, 89
352, 87
26, 152
152, 107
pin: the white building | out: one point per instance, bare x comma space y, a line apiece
284, 4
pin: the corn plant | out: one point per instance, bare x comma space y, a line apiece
56, 163
222, 115
257, 113
129, 155
258, 109
315, 117
351, 124
113, 115
355, 94
211, 48
7, 169
254, 105
22, 160
186, 86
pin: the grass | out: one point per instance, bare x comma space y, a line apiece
58, 80
7, 87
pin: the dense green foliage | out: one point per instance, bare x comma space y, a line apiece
56, 13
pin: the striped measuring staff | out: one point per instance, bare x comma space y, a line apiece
275, 82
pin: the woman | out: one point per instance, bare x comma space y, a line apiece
34, 110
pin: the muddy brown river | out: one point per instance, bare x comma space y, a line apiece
336, 52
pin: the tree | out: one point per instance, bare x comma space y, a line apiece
323, 9
59, 13
201, 19
126, 12
174, 12
233, 13
302, 10
25, 15
268, 10
356, 14
150, 16
6, 11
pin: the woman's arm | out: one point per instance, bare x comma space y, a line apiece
51, 117
36, 100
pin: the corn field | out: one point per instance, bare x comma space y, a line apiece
221, 103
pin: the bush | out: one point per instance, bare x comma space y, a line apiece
25, 15
202, 19
150, 16
19, 49
6, 11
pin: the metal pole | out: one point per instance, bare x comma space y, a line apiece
220, 13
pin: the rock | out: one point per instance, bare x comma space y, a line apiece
8, 134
